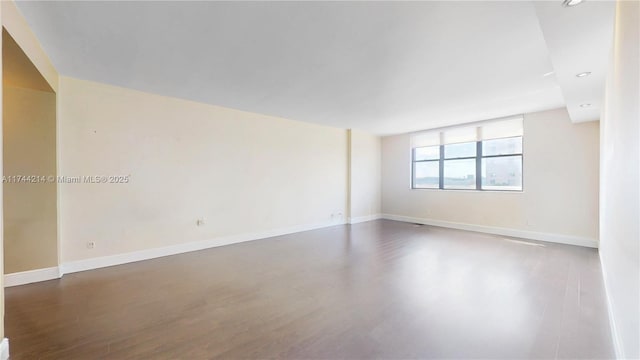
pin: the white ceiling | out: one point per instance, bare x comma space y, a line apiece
383, 67
579, 40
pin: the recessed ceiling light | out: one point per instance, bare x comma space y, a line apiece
584, 74
585, 105
569, 3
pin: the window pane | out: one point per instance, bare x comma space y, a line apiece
504, 146
426, 153
452, 151
502, 173
426, 175
460, 174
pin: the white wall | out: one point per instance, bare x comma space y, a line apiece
365, 194
620, 182
241, 172
560, 198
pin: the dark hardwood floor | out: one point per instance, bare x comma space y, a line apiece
380, 289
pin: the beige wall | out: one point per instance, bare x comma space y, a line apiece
16, 25
29, 148
241, 172
1, 198
365, 194
560, 184
620, 182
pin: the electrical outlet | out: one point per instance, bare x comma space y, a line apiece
200, 222
91, 244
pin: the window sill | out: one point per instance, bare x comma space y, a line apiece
473, 190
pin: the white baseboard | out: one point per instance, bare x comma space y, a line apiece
4, 349
359, 219
105, 261
31, 276
612, 320
525, 234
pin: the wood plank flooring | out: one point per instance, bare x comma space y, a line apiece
380, 289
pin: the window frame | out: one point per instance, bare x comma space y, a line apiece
478, 160
413, 168
445, 159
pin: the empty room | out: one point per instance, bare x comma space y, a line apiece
320, 179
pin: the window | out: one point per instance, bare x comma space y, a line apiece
459, 166
502, 164
426, 167
483, 156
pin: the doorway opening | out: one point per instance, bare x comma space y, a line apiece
29, 164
